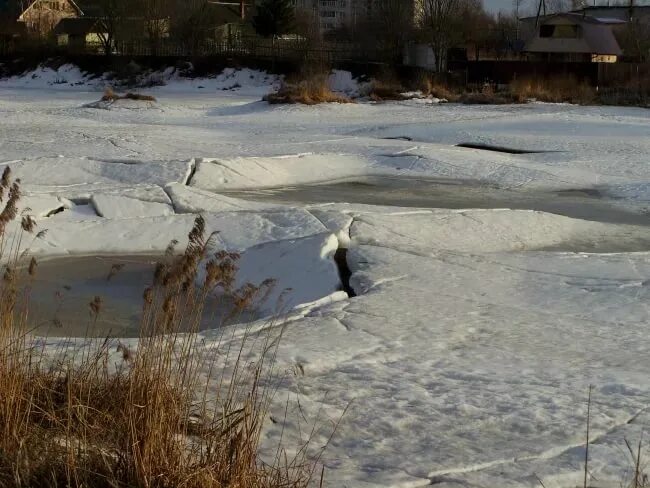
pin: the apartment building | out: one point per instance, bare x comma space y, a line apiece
334, 14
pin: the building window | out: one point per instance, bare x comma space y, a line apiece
328, 13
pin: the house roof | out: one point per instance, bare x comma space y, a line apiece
76, 26
597, 37
90, 7
578, 17
7, 8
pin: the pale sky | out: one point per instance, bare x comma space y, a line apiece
529, 6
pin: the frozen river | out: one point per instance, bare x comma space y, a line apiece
491, 288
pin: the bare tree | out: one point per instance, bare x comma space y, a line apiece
438, 22
156, 16
394, 21
634, 39
112, 17
191, 22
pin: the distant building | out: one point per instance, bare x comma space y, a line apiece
37, 17
335, 14
571, 37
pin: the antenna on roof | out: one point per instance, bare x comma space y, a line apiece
541, 6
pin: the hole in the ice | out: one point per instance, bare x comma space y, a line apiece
580, 192
63, 288
190, 176
55, 211
400, 138
80, 200
501, 149
340, 258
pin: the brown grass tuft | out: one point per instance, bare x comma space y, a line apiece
387, 88
111, 96
310, 91
166, 412
554, 90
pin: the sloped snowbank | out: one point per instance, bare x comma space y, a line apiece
121, 207
491, 231
243, 80
170, 80
65, 77
93, 234
303, 271
76, 177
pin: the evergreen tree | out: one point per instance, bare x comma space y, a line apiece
274, 18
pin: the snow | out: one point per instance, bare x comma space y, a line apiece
120, 207
127, 231
466, 356
258, 172
40, 206
170, 80
303, 271
490, 231
65, 77
244, 80
80, 177
344, 82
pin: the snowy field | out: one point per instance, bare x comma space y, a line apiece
479, 319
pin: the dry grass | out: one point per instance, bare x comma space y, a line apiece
111, 96
433, 88
156, 415
555, 90
487, 96
312, 90
386, 89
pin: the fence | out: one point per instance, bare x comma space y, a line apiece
503, 72
631, 75
229, 47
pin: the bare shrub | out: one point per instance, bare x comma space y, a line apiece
159, 414
429, 86
311, 90
487, 95
386, 89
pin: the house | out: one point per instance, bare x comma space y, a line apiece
633, 33
36, 17
571, 37
79, 34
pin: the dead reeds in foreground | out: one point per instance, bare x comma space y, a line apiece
157, 414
